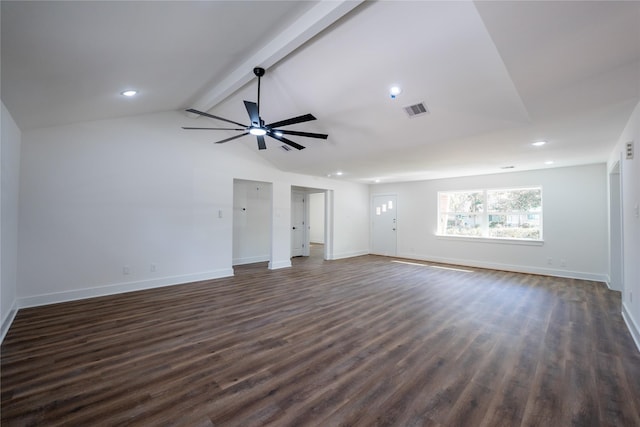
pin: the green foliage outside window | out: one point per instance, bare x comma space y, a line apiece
503, 213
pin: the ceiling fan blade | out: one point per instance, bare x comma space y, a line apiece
292, 121
285, 140
308, 134
261, 143
232, 138
192, 128
202, 113
254, 115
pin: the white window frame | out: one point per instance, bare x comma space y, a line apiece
484, 217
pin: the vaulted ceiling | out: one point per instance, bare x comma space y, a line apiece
495, 76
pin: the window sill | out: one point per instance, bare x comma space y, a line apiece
497, 240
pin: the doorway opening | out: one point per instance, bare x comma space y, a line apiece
316, 225
616, 244
311, 223
251, 221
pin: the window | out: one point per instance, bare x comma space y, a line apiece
511, 213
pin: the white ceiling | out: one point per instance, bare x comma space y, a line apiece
496, 76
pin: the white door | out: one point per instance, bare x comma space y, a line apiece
297, 224
384, 224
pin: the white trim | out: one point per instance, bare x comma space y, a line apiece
8, 320
342, 255
279, 264
119, 288
250, 260
632, 326
509, 267
328, 224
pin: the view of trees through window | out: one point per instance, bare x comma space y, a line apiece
514, 213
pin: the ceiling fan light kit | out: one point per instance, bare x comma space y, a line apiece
258, 127
257, 131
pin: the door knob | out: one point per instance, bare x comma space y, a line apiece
294, 228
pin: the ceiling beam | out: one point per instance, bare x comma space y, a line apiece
316, 19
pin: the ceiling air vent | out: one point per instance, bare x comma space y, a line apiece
416, 110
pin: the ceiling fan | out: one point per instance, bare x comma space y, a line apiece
258, 127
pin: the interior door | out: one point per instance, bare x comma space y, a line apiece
384, 225
297, 224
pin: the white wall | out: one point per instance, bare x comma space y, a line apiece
316, 218
251, 221
630, 176
351, 211
574, 223
101, 198
10, 173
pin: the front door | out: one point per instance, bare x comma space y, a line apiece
384, 224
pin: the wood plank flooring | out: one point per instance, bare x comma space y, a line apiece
359, 342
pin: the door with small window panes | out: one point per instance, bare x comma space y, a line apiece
384, 225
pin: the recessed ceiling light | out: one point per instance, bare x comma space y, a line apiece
548, 162
377, 181
395, 91
339, 173
538, 143
129, 93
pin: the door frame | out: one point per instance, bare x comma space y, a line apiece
305, 221
328, 218
267, 187
372, 210
616, 235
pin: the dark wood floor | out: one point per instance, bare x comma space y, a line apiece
360, 342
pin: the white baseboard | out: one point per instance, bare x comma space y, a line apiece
342, 255
279, 264
250, 260
509, 267
631, 325
120, 288
8, 320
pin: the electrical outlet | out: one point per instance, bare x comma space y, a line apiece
126, 270
630, 296
563, 262
549, 261
153, 267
